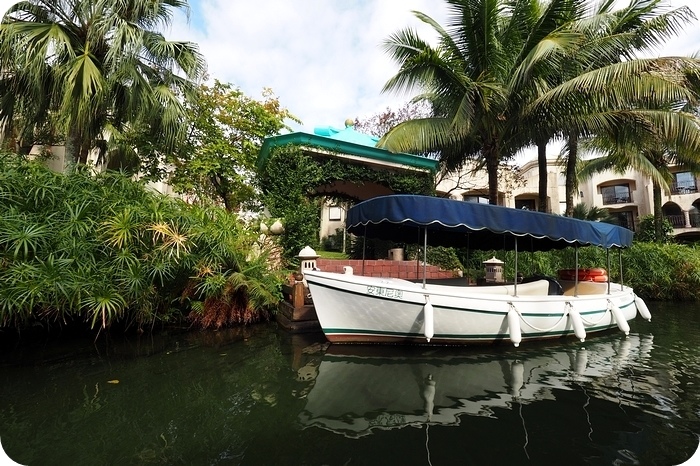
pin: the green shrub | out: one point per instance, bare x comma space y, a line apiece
647, 232
290, 178
102, 248
663, 271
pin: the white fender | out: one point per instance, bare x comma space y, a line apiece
642, 308
620, 319
428, 320
514, 326
577, 323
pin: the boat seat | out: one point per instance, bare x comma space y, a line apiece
584, 288
555, 288
535, 288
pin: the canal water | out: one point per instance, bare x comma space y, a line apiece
260, 396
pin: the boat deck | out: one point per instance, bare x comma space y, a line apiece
568, 287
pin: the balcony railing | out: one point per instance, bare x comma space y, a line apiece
694, 220
607, 200
684, 188
678, 221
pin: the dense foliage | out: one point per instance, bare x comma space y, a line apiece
216, 160
86, 73
290, 178
655, 271
506, 75
647, 230
102, 248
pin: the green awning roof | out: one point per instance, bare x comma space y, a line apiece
346, 143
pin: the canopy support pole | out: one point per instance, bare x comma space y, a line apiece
418, 255
515, 281
576, 269
622, 281
607, 253
425, 255
469, 253
364, 249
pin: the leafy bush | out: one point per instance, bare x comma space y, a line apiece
647, 231
102, 248
333, 242
663, 271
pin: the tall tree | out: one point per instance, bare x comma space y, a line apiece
95, 67
604, 84
505, 75
226, 130
651, 151
478, 78
381, 123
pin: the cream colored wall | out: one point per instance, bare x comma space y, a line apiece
57, 159
465, 183
328, 227
57, 162
640, 189
556, 190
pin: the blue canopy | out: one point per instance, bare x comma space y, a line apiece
400, 218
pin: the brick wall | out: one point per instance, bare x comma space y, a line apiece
408, 270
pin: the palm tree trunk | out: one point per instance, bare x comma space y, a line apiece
658, 214
571, 182
72, 147
542, 168
83, 154
492, 169
489, 151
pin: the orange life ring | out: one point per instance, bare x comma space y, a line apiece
584, 275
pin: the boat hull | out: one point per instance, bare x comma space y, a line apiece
357, 309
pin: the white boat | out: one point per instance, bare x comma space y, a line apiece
355, 309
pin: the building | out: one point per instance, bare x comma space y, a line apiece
627, 196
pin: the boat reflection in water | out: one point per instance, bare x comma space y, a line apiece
360, 389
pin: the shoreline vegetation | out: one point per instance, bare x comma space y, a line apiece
102, 250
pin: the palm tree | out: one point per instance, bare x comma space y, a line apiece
94, 68
478, 77
651, 151
605, 85
592, 213
507, 75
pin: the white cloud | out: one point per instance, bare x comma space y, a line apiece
324, 60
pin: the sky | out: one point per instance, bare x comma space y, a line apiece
322, 58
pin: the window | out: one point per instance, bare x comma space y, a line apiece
618, 194
525, 204
685, 183
334, 213
477, 199
625, 219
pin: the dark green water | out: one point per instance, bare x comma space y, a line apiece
260, 396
